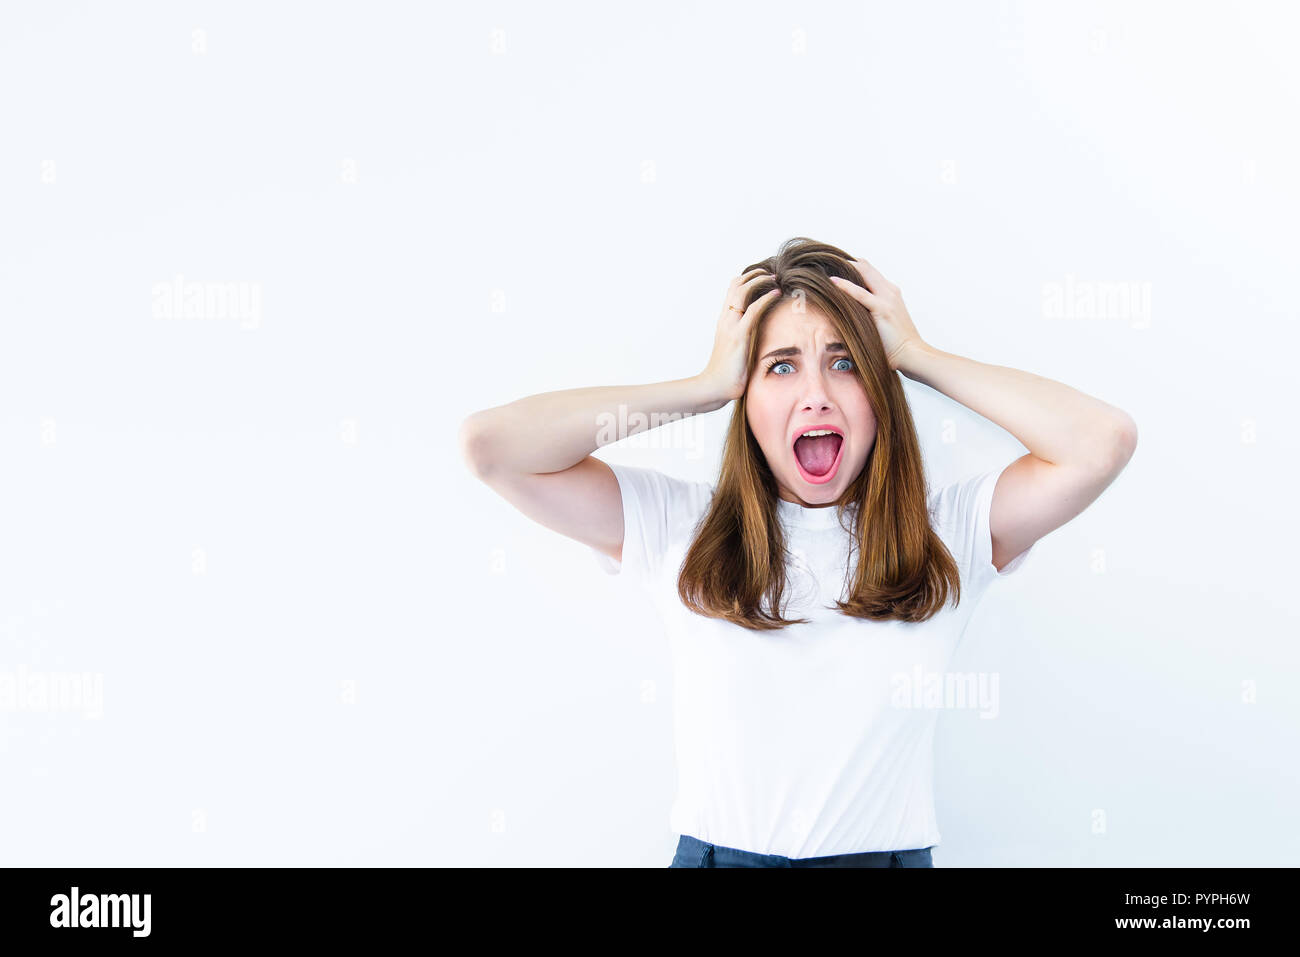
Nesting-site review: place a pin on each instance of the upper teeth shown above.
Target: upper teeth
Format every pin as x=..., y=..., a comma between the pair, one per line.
x=818, y=432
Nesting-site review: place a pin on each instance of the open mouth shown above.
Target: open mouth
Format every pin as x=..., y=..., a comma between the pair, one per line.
x=817, y=453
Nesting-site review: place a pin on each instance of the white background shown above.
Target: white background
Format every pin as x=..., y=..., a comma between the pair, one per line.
x=321, y=641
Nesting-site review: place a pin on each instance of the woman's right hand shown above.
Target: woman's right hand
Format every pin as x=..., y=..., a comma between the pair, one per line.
x=728, y=368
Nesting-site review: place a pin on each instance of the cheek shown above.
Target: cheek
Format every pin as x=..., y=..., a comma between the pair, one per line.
x=859, y=410
x=764, y=420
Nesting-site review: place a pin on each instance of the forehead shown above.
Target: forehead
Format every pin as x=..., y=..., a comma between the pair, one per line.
x=783, y=326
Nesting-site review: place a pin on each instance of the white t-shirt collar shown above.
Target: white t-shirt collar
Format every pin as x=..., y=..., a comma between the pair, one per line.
x=801, y=516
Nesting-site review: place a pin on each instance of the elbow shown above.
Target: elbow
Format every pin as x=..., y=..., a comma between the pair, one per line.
x=1120, y=443
x=471, y=440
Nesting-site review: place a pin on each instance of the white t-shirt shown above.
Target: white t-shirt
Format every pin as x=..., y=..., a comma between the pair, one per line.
x=800, y=741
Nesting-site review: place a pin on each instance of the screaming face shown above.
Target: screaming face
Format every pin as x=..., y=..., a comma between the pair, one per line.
x=806, y=407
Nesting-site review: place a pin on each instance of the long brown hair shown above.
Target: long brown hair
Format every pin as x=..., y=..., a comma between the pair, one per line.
x=737, y=557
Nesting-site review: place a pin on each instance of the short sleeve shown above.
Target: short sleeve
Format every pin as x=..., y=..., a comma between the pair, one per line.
x=961, y=514
x=659, y=512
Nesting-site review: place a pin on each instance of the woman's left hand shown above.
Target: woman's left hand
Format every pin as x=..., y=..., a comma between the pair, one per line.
x=884, y=301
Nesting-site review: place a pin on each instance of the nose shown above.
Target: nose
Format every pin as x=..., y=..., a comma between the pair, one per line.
x=816, y=396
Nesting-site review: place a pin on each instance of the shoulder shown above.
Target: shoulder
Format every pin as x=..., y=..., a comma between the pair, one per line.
x=655, y=493
x=660, y=513
x=954, y=503
x=960, y=512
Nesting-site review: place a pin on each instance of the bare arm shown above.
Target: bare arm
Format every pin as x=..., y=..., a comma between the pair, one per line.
x=536, y=452
x=554, y=431
x=1077, y=444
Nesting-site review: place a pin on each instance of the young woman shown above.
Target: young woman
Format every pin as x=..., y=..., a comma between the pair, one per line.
x=815, y=593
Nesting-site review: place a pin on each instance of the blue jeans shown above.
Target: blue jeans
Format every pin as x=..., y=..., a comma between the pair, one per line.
x=692, y=852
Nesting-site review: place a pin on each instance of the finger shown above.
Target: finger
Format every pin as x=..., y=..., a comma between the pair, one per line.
x=875, y=278
x=761, y=303
x=738, y=293
x=863, y=296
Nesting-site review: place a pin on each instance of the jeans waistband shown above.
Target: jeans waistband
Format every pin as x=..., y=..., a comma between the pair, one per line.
x=692, y=852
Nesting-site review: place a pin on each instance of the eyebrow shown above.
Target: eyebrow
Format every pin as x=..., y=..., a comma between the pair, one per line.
x=796, y=351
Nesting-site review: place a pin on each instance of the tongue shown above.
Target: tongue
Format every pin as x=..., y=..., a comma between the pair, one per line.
x=817, y=454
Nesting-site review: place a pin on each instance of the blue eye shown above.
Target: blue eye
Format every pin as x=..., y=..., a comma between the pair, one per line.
x=784, y=362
